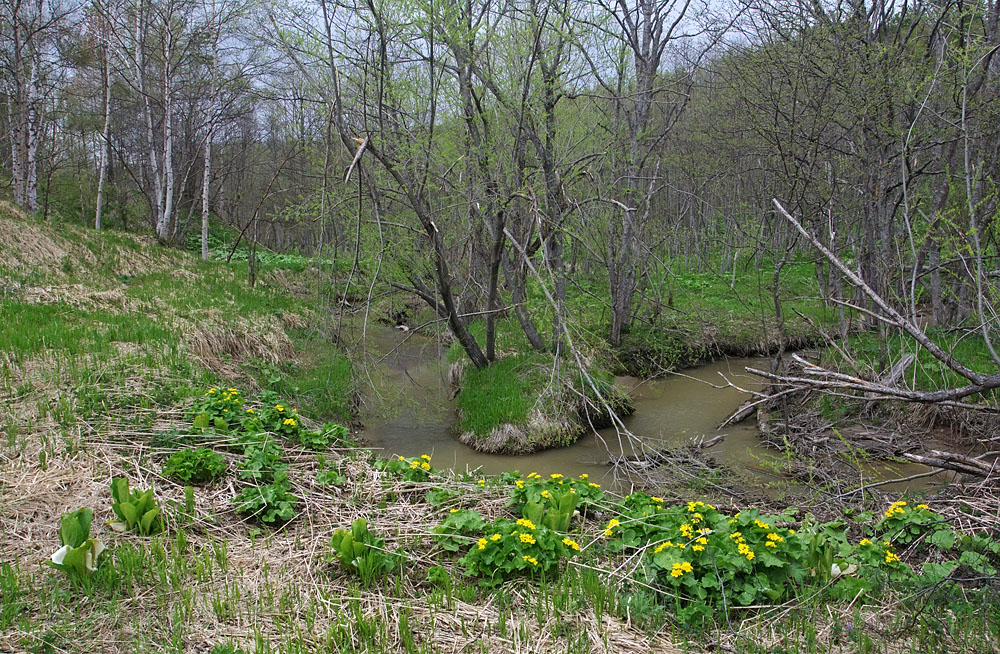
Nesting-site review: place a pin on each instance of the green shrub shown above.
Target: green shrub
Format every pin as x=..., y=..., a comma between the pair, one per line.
x=415, y=469
x=517, y=548
x=195, y=466
x=220, y=409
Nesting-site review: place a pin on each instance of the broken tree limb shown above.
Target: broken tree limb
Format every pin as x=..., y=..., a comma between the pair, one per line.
x=979, y=381
x=955, y=462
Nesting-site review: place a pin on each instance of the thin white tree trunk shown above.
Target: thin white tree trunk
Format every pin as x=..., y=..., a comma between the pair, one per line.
x=31, y=158
x=163, y=227
x=206, y=179
x=105, y=142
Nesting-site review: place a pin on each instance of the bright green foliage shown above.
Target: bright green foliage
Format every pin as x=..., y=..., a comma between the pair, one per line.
x=136, y=510
x=509, y=548
x=552, y=500
x=329, y=474
x=456, y=530
x=361, y=553
x=195, y=466
x=78, y=556
x=704, y=557
x=275, y=417
x=271, y=503
x=218, y=408
x=322, y=439
x=262, y=458
x=417, y=468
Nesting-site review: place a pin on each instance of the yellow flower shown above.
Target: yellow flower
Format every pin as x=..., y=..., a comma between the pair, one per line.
x=775, y=537
x=585, y=476
x=676, y=573
x=702, y=541
x=698, y=548
x=865, y=541
x=425, y=466
x=454, y=511
x=530, y=559
x=425, y=457
x=249, y=410
x=750, y=556
x=495, y=537
x=570, y=543
x=524, y=522
x=770, y=543
x=611, y=525
x=923, y=506
x=735, y=535
x=279, y=407
x=743, y=548
x=659, y=548
x=555, y=475
x=546, y=494
x=656, y=499
x=231, y=390
x=891, y=557
x=527, y=538
x=519, y=483
x=533, y=475
x=482, y=483
x=593, y=485
x=687, y=531
x=761, y=524
x=211, y=391
x=290, y=422
x=399, y=458
x=482, y=543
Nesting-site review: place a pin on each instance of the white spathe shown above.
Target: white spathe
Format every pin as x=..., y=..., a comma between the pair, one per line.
x=60, y=554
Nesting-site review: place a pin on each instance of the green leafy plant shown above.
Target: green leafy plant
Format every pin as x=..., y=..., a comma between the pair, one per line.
x=552, y=500
x=262, y=458
x=361, y=553
x=322, y=439
x=415, y=469
x=79, y=554
x=521, y=547
x=218, y=409
x=458, y=529
x=271, y=503
x=195, y=466
x=136, y=510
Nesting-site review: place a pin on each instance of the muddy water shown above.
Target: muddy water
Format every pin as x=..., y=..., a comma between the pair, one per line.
x=418, y=414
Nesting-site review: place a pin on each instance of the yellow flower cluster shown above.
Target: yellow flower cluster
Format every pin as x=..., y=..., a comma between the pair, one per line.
x=279, y=407
x=865, y=542
x=534, y=475
x=680, y=569
x=773, y=539
x=546, y=494
x=250, y=411
x=524, y=522
x=687, y=531
x=290, y=422
x=762, y=524
x=556, y=475
x=741, y=545
x=526, y=538
x=570, y=543
x=495, y=537
x=593, y=485
x=611, y=525
x=896, y=508
x=891, y=557
x=667, y=544
x=519, y=484
x=482, y=543
x=923, y=506
x=695, y=506
x=420, y=465
x=425, y=457
x=530, y=559
x=482, y=483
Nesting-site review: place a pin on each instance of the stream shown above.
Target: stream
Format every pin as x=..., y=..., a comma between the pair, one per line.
x=418, y=414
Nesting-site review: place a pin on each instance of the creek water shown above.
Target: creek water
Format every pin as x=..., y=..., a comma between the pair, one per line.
x=417, y=416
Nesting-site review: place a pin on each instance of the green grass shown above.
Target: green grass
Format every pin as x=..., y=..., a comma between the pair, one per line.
x=505, y=392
